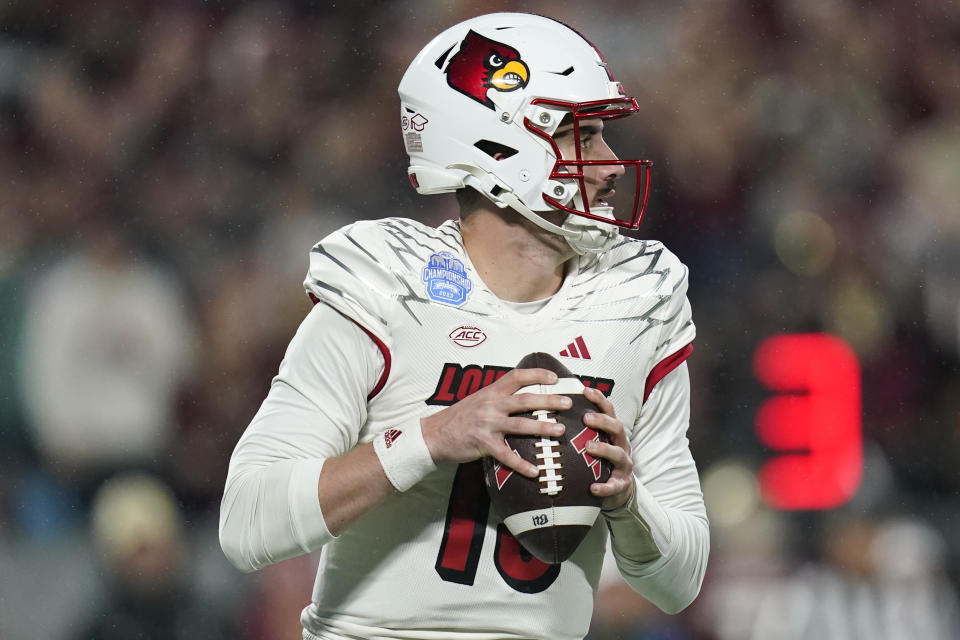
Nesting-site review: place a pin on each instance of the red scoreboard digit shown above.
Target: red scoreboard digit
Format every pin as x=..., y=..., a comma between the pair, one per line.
x=814, y=421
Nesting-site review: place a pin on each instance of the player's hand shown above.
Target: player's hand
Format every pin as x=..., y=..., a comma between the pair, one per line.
x=619, y=487
x=475, y=426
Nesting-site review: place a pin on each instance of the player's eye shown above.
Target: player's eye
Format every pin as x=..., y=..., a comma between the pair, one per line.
x=495, y=61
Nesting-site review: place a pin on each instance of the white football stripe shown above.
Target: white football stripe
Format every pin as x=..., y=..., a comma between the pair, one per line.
x=552, y=516
x=561, y=386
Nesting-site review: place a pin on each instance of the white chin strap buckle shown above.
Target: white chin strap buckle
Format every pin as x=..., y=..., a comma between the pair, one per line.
x=590, y=235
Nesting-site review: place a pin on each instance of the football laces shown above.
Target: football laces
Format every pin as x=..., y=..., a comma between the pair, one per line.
x=549, y=469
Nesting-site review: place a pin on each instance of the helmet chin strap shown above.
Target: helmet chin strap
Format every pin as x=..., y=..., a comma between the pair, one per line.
x=592, y=236
x=511, y=200
x=582, y=234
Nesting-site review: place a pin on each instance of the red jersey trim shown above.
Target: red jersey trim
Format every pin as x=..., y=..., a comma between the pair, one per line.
x=665, y=366
x=380, y=345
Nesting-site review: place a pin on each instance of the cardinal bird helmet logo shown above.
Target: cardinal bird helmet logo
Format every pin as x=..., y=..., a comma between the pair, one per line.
x=482, y=64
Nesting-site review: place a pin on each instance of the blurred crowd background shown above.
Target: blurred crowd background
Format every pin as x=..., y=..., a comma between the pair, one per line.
x=165, y=167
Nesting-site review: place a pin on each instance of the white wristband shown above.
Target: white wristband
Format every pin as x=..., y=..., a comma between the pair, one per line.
x=404, y=455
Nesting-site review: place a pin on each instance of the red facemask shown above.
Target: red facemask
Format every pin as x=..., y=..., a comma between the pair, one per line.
x=630, y=203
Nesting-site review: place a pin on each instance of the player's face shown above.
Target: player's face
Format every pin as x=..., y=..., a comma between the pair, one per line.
x=600, y=179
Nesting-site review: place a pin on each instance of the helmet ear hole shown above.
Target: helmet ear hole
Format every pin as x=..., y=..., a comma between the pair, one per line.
x=494, y=149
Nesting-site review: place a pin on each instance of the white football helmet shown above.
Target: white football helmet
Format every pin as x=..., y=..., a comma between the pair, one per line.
x=499, y=85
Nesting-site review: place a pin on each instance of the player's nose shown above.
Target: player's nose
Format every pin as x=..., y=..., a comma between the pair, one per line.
x=608, y=172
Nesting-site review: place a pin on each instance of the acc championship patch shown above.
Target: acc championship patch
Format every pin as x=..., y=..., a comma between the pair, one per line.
x=446, y=279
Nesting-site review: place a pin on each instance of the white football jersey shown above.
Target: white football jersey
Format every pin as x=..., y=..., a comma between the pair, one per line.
x=434, y=561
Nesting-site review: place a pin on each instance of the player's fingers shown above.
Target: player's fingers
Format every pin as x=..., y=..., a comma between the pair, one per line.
x=619, y=458
x=510, y=458
x=516, y=379
x=531, y=427
x=612, y=486
x=533, y=401
x=602, y=401
x=609, y=425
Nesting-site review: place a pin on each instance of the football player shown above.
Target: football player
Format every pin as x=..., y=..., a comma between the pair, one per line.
x=399, y=380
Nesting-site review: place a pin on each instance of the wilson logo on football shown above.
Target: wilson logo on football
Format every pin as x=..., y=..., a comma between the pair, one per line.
x=467, y=336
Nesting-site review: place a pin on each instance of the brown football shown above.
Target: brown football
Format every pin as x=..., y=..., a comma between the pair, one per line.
x=550, y=514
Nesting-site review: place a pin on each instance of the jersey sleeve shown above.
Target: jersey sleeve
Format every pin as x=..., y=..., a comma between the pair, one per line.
x=352, y=270
x=316, y=404
x=660, y=540
x=669, y=509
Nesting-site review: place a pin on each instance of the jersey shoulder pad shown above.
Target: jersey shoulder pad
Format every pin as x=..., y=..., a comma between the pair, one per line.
x=651, y=267
x=369, y=269
x=644, y=282
x=671, y=313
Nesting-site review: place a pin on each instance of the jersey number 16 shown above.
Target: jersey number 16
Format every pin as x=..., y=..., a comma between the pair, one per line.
x=463, y=535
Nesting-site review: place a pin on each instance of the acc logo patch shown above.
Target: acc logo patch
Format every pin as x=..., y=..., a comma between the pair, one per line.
x=446, y=279
x=482, y=64
x=467, y=336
